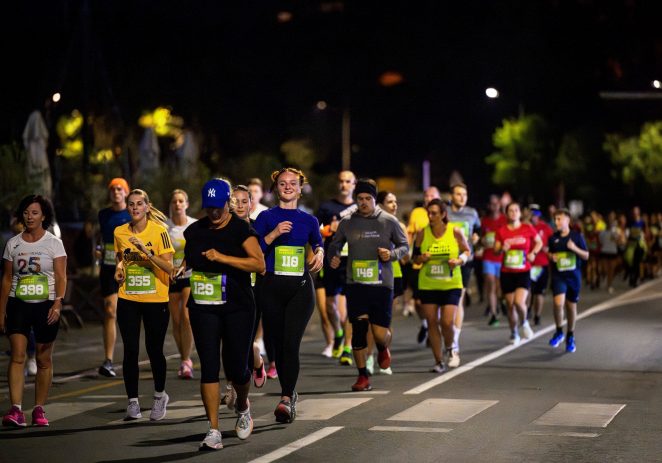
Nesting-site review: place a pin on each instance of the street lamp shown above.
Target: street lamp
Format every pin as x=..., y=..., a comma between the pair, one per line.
x=345, y=133
x=492, y=92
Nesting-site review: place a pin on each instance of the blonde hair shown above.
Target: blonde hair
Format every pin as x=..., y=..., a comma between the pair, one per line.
x=277, y=173
x=153, y=213
x=176, y=191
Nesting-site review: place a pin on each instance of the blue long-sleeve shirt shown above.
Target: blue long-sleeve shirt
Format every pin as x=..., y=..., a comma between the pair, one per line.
x=305, y=230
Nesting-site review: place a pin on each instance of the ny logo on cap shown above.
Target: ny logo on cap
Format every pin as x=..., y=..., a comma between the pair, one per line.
x=211, y=193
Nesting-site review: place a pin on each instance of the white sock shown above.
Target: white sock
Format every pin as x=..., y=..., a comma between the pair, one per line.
x=158, y=395
x=18, y=406
x=456, y=339
x=133, y=399
x=424, y=323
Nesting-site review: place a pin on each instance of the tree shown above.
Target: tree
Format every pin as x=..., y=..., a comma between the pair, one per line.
x=637, y=158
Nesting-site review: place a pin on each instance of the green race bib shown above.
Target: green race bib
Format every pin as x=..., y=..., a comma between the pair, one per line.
x=514, y=259
x=437, y=268
x=109, y=254
x=139, y=280
x=32, y=288
x=208, y=288
x=535, y=273
x=178, y=259
x=489, y=239
x=367, y=272
x=566, y=261
x=344, y=252
x=253, y=278
x=289, y=260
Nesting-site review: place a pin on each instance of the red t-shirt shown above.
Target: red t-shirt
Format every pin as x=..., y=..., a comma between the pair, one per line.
x=521, y=241
x=544, y=231
x=489, y=227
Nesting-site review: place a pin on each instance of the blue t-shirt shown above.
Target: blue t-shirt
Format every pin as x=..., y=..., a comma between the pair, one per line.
x=110, y=219
x=567, y=262
x=305, y=230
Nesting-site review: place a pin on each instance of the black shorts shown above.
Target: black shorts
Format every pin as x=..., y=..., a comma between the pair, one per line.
x=510, y=281
x=540, y=285
x=413, y=281
x=398, y=287
x=318, y=280
x=441, y=297
x=179, y=284
x=23, y=316
x=335, y=279
x=374, y=301
x=466, y=273
x=107, y=280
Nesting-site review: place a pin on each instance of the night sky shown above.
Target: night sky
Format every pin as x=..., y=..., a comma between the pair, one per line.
x=233, y=71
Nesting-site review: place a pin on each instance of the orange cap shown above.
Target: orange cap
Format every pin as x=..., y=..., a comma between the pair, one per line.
x=119, y=181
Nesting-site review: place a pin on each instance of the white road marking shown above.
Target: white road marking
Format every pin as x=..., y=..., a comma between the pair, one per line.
x=561, y=434
x=296, y=445
x=588, y=415
x=321, y=409
x=444, y=410
x=624, y=299
x=104, y=397
x=408, y=429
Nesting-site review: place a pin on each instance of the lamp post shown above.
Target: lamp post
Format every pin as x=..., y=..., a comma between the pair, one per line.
x=345, y=135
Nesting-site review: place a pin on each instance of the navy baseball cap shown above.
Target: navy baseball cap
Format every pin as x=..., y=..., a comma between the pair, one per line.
x=215, y=193
x=535, y=210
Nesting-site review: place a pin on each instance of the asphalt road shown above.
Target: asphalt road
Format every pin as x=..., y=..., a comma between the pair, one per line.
x=504, y=404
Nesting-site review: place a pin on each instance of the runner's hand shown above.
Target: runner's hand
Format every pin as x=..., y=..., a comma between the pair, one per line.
x=334, y=224
x=283, y=227
x=213, y=255
x=384, y=254
x=138, y=244
x=54, y=312
x=423, y=258
x=452, y=263
x=119, y=275
x=316, y=262
x=335, y=262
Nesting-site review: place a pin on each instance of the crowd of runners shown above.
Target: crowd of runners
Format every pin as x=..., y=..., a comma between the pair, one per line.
x=242, y=282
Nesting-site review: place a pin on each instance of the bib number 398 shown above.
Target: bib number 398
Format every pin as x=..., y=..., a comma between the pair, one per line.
x=32, y=288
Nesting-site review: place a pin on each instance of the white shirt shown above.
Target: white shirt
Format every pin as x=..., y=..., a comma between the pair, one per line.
x=259, y=208
x=178, y=242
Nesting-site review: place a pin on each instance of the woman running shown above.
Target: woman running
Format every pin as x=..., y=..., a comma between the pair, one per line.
x=144, y=266
x=222, y=251
x=33, y=285
x=180, y=288
x=519, y=242
x=442, y=249
x=287, y=294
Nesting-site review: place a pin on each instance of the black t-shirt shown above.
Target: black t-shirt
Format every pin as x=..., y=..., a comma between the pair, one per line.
x=228, y=240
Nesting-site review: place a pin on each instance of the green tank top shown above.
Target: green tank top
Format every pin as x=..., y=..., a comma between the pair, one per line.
x=435, y=275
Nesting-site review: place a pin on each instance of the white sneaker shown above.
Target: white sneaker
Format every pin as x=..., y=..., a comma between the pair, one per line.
x=244, y=425
x=370, y=364
x=31, y=366
x=386, y=371
x=438, y=368
x=230, y=396
x=212, y=440
x=453, y=359
x=133, y=411
x=514, y=339
x=159, y=407
x=527, y=332
x=328, y=351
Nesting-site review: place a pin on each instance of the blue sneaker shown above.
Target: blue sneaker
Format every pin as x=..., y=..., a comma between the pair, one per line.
x=570, y=344
x=557, y=339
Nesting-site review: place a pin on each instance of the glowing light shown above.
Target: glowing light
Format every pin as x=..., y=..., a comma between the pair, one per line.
x=56, y=97
x=656, y=83
x=391, y=78
x=284, y=16
x=321, y=105
x=492, y=92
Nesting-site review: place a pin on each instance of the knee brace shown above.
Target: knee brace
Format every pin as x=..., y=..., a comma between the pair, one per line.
x=360, y=333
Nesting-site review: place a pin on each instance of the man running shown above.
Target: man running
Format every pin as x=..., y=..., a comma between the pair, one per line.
x=462, y=216
x=492, y=221
x=375, y=240
x=110, y=218
x=539, y=266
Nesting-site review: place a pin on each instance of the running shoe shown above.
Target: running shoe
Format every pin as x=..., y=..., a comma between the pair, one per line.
x=259, y=376
x=370, y=364
x=422, y=335
x=438, y=368
x=570, y=344
x=386, y=371
x=557, y=339
x=514, y=339
x=212, y=440
x=453, y=358
x=527, y=332
x=31, y=367
x=14, y=418
x=328, y=351
x=133, y=411
x=106, y=369
x=494, y=322
x=338, y=347
x=186, y=369
x=244, y=425
x=272, y=373
x=230, y=396
x=362, y=384
x=384, y=358
x=286, y=410
x=39, y=416
x=159, y=407
x=346, y=359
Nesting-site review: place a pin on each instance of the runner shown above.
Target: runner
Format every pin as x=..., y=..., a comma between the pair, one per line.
x=255, y=189
x=441, y=248
x=287, y=293
x=179, y=287
x=33, y=285
x=565, y=246
x=375, y=240
x=465, y=217
x=329, y=215
x=222, y=250
x=609, y=256
x=144, y=265
x=110, y=218
x=540, y=265
x=492, y=221
x=519, y=243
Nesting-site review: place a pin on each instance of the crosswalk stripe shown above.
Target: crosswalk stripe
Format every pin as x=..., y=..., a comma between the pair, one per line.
x=321, y=409
x=444, y=410
x=561, y=434
x=408, y=429
x=590, y=415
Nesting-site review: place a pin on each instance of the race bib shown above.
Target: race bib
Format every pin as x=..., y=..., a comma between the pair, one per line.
x=253, y=278
x=178, y=259
x=139, y=280
x=289, y=260
x=566, y=261
x=32, y=288
x=536, y=271
x=489, y=239
x=344, y=252
x=437, y=268
x=465, y=229
x=208, y=288
x=514, y=259
x=367, y=272
x=109, y=254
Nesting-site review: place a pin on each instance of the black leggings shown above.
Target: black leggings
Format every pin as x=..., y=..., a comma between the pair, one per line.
x=155, y=316
x=268, y=341
x=231, y=324
x=287, y=305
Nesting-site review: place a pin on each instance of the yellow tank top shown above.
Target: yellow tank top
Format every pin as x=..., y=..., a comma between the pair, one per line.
x=436, y=275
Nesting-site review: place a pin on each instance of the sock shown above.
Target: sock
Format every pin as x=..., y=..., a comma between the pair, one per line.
x=133, y=399
x=559, y=330
x=525, y=323
x=424, y=323
x=347, y=349
x=456, y=338
x=571, y=333
x=158, y=395
x=363, y=371
x=18, y=406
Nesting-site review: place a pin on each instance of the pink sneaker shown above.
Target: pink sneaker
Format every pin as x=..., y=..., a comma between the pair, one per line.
x=186, y=369
x=272, y=373
x=259, y=376
x=14, y=417
x=39, y=417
